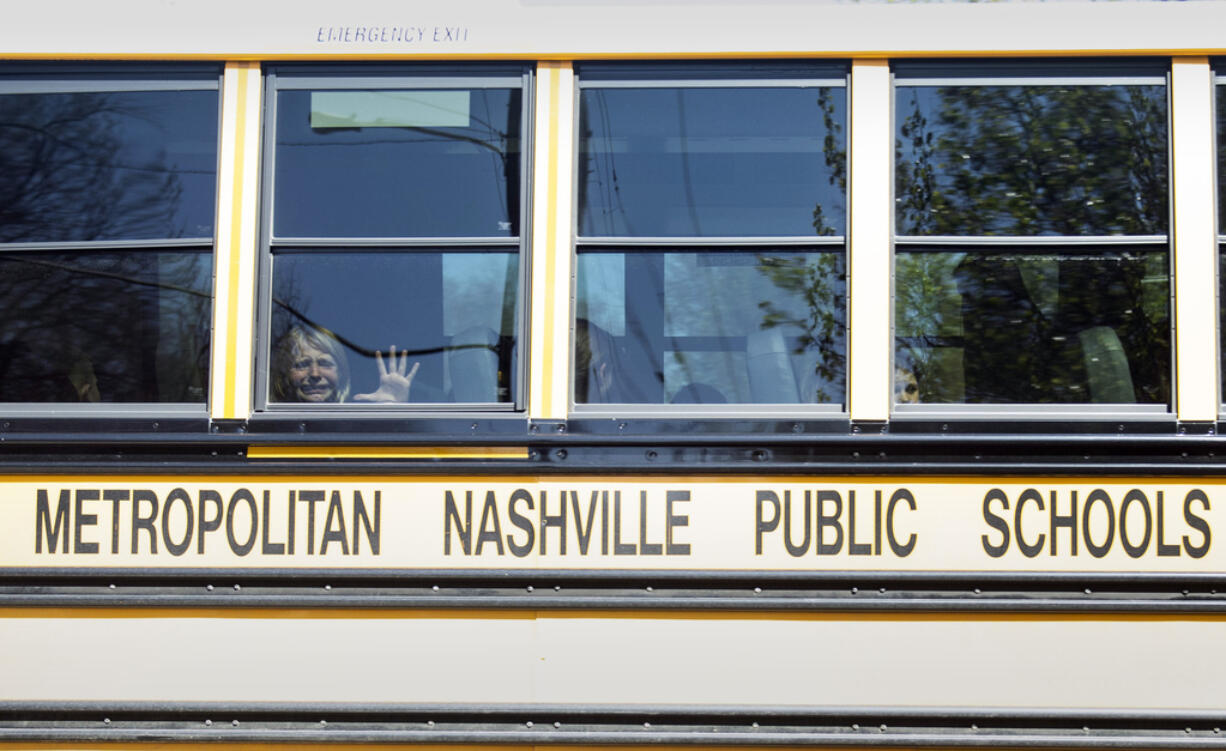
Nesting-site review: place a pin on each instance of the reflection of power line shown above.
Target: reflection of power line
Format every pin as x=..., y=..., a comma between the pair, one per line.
x=611, y=187
x=686, y=179
x=440, y=136
x=89, y=156
x=105, y=275
x=366, y=351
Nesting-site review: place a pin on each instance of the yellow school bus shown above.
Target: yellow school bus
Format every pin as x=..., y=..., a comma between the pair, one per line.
x=525, y=373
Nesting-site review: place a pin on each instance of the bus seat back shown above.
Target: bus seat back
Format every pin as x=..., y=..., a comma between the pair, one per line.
x=771, y=378
x=473, y=363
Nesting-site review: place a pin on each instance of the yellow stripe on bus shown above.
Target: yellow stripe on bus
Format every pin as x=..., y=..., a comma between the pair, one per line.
x=387, y=452
x=242, y=75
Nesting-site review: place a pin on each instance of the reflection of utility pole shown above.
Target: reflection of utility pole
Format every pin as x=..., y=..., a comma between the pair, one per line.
x=685, y=163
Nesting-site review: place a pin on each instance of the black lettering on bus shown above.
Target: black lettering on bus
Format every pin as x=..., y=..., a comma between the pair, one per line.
x=996, y=522
x=463, y=527
x=646, y=548
x=523, y=522
x=557, y=520
x=115, y=496
x=361, y=520
x=674, y=520
x=487, y=531
x=604, y=522
x=902, y=551
x=335, y=532
x=1029, y=495
x=584, y=531
x=205, y=498
x=311, y=497
x=763, y=525
x=1196, y=522
x=877, y=522
x=1069, y=521
x=178, y=495
x=796, y=550
x=1098, y=495
x=1131, y=497
x=267, y=546
x=81, y=519
x=1165, y=549
x=853, y=547
x=289, y=527
x=619, y=547
x=823, y=521
x=243, y=495
x=43, y=523
x=140, y=522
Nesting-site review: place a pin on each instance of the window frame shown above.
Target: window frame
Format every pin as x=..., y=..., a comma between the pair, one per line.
x=1217, y=94
x=1040, y=72
x=408, y=76
x=34, y=78
x=746, y=74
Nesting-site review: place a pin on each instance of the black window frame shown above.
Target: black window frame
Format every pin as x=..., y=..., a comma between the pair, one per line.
x=426, y=417
x=124, y=77
x=768, y=416
x=1052, y=71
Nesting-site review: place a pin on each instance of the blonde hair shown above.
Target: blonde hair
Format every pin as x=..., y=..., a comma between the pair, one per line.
x=593, y=347
x=291, y=346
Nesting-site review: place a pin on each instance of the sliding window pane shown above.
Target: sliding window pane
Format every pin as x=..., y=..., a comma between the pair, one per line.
x=1221, y=223
x=710, y=327
x=1066, y=326
x=712, y=162
x=452, y=313
x=105, y=326
x=107, y=166
x=1031, y=160
x=398, y=163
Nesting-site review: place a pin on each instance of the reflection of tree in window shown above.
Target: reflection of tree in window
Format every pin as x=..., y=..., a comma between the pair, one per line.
x=138, y=321
x=821, y=284
x=1032, y=160
x=70, y=170
x=90, y=325
x=1020, y=161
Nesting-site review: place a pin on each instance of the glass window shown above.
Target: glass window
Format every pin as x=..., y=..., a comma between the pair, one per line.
x=107, y=202
x=394, y=240
x=711, y=214
x=1220, y=103
x=1031, y=257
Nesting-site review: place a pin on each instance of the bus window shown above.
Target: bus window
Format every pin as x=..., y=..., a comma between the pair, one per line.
x=1220, y=103
x=1031, y=255
x=107, y=199
x=394, y=225
x=710, y=258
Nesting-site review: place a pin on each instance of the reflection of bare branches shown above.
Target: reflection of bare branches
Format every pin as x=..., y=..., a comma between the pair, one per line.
x=68, y=173
x=138, y=320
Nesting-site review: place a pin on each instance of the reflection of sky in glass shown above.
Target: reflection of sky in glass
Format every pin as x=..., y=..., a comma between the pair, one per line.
x=426, y=181
x=107, y=166
x=710, y=161
x=600, y=294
